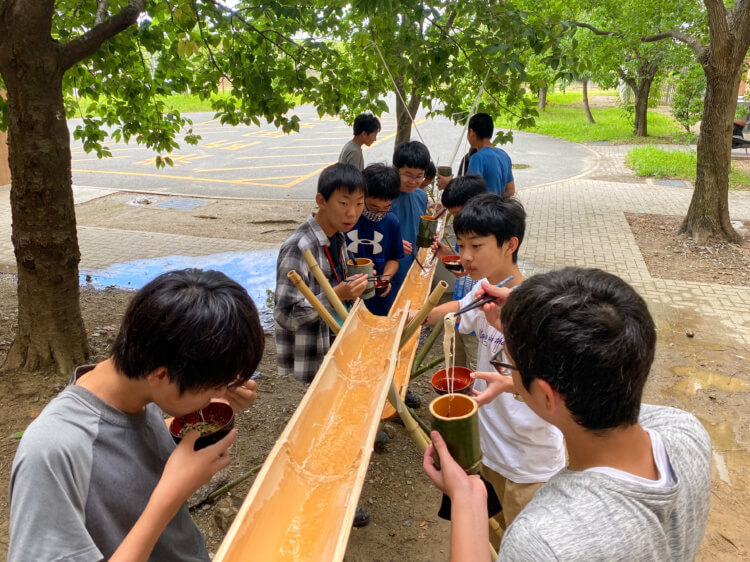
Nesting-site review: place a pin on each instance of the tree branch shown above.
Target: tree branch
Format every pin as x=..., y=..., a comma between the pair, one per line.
x=597, y=31
x=102, y=10
x=88, y=43
x=693, y=42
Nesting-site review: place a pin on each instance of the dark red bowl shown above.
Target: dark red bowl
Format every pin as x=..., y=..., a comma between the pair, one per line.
x=381, y=285
x=452, y=263
x=217, y=413
x=462, y=381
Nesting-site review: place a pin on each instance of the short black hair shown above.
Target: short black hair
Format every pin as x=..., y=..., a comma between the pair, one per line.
x=201, y=325
x=589, y=335
x=382, y=182
x=366, y=123
x=411, y=154
x=489, y=214
x=482, y=125
x=340, y=176
x=430, y=171
x=462, y=188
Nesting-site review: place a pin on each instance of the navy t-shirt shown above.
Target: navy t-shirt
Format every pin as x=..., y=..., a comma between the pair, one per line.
x=380, y=242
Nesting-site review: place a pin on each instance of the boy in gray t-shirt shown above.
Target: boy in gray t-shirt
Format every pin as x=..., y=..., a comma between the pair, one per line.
x=97, y=474
x=580, y=344
x=366, y=128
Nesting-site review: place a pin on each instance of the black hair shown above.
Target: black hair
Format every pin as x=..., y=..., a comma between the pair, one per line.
x=463, y=167
x=340, y=176
x=489, y=214
x=201, y=325
x=589, y=335
x=382, y=182
x=482, y=125
x=411, y=154
x=462, y=188
x=366, y=123
x=430, y=171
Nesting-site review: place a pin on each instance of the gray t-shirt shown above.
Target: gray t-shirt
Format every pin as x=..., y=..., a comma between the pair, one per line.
x=352, y=154
x=83, y=474
x=591, y=516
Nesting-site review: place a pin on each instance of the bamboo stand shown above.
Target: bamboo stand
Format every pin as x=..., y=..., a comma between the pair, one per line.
x=431, y=302
x=333, y=298
x=314, y=301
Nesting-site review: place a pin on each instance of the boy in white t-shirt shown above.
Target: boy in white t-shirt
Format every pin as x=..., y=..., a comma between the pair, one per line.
x=521, y=451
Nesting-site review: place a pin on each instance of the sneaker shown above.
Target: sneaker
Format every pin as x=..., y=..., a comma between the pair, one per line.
x=412, y=400
x=361, y=517
x=380, y=440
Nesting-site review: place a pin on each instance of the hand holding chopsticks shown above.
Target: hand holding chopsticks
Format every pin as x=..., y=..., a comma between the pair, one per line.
x=484, y=299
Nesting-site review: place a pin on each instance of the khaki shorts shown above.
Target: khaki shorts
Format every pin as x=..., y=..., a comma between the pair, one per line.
x=466, y=350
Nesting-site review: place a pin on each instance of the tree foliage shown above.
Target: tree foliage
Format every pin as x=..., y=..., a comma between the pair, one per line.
x=687, y=100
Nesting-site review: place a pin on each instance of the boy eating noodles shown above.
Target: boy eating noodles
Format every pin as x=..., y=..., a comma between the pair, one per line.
x=97, y=474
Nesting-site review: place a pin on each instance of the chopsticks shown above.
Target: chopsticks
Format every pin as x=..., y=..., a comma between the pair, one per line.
x=369, y=278
x=484, y=299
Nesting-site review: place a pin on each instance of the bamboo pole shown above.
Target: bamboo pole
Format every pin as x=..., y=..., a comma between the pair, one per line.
x=314, y=301
x=333, y=298
x=436, y=329
x=431, y=302
x=229, y=485
x=412, y=427
x=431, y=365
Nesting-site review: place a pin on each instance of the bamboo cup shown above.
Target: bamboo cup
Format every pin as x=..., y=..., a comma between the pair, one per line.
x=333, y=298
x=455, y=417
x=427, y=229
x=314, y=301
x=363, y=265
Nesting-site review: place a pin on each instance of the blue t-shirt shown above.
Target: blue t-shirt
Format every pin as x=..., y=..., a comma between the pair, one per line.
x=408, y=208
x=494, y=165
x=380, y=242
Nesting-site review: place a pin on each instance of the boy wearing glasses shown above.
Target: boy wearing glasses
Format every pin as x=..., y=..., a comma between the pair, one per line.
x=410, y=161
x=521, y=450
x=580, y=343
x=377, y=235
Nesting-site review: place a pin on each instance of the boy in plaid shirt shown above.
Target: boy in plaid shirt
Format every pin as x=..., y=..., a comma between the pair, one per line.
x=302, y=338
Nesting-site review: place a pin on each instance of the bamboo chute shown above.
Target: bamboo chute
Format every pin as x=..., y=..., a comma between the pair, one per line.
x=295, y=278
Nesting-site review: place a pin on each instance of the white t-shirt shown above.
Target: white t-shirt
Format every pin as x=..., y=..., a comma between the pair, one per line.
x=516, y=443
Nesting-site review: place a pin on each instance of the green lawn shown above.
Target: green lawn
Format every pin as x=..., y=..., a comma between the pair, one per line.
x=674, y=164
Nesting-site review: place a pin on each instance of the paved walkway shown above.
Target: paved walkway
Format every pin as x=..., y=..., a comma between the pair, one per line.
x=578, y=221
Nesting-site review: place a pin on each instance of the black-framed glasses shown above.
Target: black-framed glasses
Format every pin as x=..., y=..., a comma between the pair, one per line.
x=500, y=365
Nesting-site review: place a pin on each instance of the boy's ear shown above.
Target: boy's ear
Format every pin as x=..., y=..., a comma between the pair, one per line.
x=158, y=376
x=552, y=399
x=512, y=244
x=320, y=201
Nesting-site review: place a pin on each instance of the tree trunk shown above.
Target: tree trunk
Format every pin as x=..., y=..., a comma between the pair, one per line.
x=708, y=214
x=542, y=105
x=586, y=102
x=640, y=126
x=405, y=114
x=50, y=327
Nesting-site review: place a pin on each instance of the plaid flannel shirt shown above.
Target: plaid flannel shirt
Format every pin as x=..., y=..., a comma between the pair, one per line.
x=302, y=338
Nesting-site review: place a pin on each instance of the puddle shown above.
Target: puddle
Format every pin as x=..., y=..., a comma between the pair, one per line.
x=694, y=380
x=255, y=271
x=732, y=461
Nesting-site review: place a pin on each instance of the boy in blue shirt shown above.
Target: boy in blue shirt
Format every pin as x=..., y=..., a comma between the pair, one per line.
x=377, y=235
x=410, y=160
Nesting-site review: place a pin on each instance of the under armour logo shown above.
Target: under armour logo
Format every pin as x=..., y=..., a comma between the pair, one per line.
x=353, y=246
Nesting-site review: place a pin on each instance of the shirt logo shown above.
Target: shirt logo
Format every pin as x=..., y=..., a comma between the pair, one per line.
x=353, y=246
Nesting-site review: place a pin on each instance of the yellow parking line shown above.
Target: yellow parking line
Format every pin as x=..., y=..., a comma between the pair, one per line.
x=324, y=138
x=306, y=146
x=259, y=167
x=286, y=156
x=209, y=180
x=97, y=159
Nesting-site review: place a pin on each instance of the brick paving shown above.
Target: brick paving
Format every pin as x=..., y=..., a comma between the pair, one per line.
x=573, y=222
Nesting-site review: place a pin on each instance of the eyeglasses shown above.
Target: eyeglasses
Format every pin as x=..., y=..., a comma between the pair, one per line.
x=412, y=178
x=379, y=211
x=501, y=366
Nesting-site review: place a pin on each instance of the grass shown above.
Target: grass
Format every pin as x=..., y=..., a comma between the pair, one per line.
x=675, y=164
x=570, y=97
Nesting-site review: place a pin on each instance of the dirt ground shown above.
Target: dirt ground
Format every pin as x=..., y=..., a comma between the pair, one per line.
x=706, y=374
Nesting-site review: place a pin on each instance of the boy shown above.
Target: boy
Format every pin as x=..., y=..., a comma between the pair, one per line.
x=377, y=235
x=521, y=450
x=492, y=163
x=580, y=344
x=456, y=194
x=97, y=474
x=366, y=128
x=410, y=160
x=302, y=338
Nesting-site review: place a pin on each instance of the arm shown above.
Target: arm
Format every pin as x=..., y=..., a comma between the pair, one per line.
x=186, y=471
x=496, y=385
x=437, y=313
x=510, y=189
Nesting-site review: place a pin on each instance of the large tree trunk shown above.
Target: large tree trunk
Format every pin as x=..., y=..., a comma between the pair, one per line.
x=542, y=104
x=708, y=214
x=50, y=327
x=640, y=126
x=404, y=114
x=586, y=102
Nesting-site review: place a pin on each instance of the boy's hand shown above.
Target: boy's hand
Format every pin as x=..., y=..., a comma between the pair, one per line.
x=388, y=290
x=442, y=181
x=441, y=250
x=407, y=247
x=496, y=385
x=492, y=310
x=350, y=290
x=450, y=478
x=187, y=470
x=241, y=396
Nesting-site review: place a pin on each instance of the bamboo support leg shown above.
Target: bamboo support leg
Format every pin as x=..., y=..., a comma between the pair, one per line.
x=314, y=301
x=412, y=427
x=333, y=298
x=430, y=365
x=431, y=302
x=436, y=330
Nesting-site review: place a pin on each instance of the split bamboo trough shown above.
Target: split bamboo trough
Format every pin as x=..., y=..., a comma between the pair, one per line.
x=302, y=502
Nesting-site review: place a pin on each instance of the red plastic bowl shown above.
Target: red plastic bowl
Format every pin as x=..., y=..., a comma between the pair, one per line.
x=380, y=286
x=462, y=381
x=216, y=412
x=452, y=263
